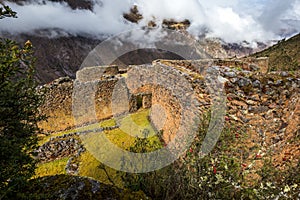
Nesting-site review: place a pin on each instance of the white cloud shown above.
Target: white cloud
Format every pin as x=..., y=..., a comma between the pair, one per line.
x=233, y=21
x=102, y=20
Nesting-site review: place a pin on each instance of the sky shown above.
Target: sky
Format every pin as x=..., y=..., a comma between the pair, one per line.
x=232, y=21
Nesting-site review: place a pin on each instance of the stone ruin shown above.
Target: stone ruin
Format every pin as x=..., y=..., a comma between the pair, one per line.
x=104, y=81
x=267, y=104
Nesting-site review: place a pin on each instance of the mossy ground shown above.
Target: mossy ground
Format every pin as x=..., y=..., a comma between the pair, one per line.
x=51, y=168
x=89, y=166
x=105, y=123
x=124, y=137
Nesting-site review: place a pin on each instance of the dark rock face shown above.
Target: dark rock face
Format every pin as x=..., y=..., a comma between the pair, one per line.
x=57, y=57
x=62, y=56
x=235, y=49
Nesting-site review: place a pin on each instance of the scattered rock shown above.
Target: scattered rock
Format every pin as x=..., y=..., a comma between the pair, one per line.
x=243, y=82
x=256, y=84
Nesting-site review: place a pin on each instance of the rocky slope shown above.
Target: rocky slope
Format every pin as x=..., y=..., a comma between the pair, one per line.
x=263, y=113
x=62, y=56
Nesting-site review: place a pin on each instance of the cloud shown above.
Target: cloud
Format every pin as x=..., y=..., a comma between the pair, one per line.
x=233, y=21
x=273, y=13
x=104, y=19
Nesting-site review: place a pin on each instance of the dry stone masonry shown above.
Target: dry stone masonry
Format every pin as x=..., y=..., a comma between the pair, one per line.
x=267, y=104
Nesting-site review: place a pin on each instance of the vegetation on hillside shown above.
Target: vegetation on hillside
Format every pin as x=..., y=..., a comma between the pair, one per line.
x=91, y=167
x=222, y=174
x=284, y=56
x=19, y=115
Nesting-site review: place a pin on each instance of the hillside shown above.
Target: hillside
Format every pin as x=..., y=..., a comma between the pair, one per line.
x=256, y=156
x=284, y=56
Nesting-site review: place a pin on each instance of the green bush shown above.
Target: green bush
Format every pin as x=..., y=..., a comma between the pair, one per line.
x=19, y=115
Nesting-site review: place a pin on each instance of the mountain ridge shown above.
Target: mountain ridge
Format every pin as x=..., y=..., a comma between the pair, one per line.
x=283, y=56
x=62, y=56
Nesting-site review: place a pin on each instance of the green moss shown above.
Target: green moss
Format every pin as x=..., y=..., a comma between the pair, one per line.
x=89, y=166
x=108, y=123
x=125, y=137
x=51, y=168
x=105, y=123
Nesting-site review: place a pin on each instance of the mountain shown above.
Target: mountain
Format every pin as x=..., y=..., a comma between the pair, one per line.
x=57, y=57
x=285, y=55
x=62, y=55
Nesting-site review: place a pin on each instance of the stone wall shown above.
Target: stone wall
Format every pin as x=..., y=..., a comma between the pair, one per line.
x=166, y=112
x=266, y=106
x=170, y=99
x=58, y=105
x=60, y=147
x=254, y=64
x=60, y=98
x=93, y=94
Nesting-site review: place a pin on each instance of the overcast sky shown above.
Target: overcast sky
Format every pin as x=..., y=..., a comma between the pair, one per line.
x=233, y=21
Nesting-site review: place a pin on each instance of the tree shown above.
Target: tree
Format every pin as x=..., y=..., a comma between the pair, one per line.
x=6, y=11
x=19, y=114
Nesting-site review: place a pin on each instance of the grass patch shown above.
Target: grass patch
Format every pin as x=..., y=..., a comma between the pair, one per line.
x=120, y=138
x=133, y=124
x=136, y=123
x=123, y=137
x=89, y=167
x=105, y=123
x=140, y=117
x=108, y=123
x=51, y=168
